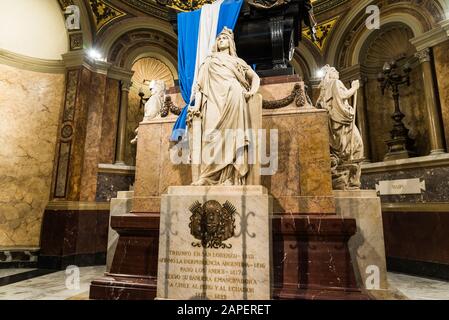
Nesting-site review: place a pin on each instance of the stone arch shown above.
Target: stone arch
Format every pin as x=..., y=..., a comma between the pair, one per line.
x=107, y=40
x=351, y=28
x=135, y=43
x=152, y=52
x=392, y=42
x=305, y=62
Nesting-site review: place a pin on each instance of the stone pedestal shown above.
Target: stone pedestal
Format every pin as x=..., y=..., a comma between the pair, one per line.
x=311, y=259
x=119, y=206
x=302, y=180
x=367, y=246
x=134, y=268
x=215, y=243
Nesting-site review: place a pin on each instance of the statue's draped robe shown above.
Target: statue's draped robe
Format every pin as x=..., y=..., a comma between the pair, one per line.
x=341, y=124
x=224, y=110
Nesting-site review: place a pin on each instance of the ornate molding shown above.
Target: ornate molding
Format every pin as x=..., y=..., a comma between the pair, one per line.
x=149, y=7
x=325, y=5
x=432, y=37
x=104, y=13
x=423, y=55
x=432, y=161
x=31, y=64
x=77, y=206
x=415, y=207
x=183, y=5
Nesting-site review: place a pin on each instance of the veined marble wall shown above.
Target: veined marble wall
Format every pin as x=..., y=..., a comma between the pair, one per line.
x=30, y=105
x=441, y=57
x=380, y=109
x=135, y=116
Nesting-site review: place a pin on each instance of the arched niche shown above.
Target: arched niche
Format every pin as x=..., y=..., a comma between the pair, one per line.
x=145, y=69
x=392, y=42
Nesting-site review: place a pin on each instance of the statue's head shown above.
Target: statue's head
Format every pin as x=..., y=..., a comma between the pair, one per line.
x=225, y=41
x=329, y=74
x=157, y=87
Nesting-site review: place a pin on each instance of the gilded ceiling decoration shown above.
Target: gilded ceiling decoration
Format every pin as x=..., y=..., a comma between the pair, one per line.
x=323, y=29
x=184, y=5
x=148, y=69
x=104, y=13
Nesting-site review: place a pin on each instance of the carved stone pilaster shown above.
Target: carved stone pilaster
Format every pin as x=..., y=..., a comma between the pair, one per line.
x=123, y=118
x=432, y=103
x=423, y=55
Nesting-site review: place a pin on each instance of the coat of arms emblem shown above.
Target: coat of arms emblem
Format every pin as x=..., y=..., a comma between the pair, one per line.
x=212, y=224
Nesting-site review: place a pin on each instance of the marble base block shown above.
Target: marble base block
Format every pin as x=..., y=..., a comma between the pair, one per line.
x=311, y=258
x=367, y=246
x=134, y=267
x=215, y=243
x=119, y=206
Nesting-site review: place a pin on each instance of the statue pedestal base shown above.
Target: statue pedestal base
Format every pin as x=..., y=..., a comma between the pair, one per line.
x=311, y=259
x=215, y=243
x=367, y=247
x=133, y=274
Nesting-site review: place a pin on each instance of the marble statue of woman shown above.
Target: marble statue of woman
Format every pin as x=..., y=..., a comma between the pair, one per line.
x=346, y=143
x=225, y=86
x=154, y=104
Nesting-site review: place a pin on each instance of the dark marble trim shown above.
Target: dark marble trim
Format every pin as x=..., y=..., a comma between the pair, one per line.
x=24, y=276
x=18, y=264
x=12, y=255
x=418, y=268
x=79, y=260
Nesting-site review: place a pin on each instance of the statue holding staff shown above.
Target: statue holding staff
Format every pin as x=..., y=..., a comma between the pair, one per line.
x=346, y=144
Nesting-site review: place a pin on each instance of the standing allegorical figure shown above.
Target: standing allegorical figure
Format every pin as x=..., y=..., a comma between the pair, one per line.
x=346, y=143
x=154, y=104
x=224, y=87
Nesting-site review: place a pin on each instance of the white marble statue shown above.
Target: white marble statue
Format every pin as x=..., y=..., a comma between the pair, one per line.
x=154, y=104
x=345, y=140
x=225, y=86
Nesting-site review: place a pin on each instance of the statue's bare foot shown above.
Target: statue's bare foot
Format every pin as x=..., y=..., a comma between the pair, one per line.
x=227, y=183
x=199, y=183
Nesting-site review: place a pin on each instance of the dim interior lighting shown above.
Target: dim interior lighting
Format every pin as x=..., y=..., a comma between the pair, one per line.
x=94, y=54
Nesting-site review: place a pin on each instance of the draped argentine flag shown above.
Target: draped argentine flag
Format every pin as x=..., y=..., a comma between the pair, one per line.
x=197, y=31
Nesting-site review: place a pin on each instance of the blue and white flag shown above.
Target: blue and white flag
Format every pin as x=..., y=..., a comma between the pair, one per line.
x=197, y=31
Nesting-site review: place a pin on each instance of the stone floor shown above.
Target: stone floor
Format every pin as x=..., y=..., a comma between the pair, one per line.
x=53, y=286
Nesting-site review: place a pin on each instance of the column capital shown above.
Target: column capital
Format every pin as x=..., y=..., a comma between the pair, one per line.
x=126, y=84
x=423, y=55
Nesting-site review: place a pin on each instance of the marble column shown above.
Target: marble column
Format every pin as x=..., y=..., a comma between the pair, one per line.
x=123, y=117
x=362, y=120
x=432, y=103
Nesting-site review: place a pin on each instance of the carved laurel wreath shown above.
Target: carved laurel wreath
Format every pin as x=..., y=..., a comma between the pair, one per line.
x=297, y=96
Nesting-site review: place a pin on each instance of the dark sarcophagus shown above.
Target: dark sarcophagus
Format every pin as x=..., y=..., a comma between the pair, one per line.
x=268, y=31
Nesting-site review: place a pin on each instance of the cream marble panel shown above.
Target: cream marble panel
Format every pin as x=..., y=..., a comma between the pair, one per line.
x=236, y=268
x=30, y=105
x=367, y=247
